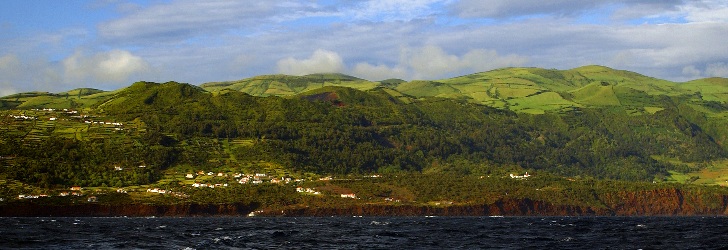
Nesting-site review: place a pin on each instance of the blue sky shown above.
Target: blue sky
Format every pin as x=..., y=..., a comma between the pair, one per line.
x=50, y=45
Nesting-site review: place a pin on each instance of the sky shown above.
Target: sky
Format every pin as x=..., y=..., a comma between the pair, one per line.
x=50, y=45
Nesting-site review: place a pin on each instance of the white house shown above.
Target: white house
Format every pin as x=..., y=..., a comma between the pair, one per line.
x=352, y=196
x=520, y=176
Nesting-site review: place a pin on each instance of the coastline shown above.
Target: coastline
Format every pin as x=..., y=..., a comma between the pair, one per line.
x=503, y=207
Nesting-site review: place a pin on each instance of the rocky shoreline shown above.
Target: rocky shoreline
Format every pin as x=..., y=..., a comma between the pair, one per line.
x=663, y=202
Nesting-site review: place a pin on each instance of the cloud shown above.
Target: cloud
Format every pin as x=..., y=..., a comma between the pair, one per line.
x=21, y=75
x=9, y=70
x=379, y=72
x=431, y=62
x=321, y=61
x=10, y=73
x=691, y=71
x=180, y=20
x=114, y=66
x=500, y=9
x=428, y=62
x=186, y=20
x=9, y=66
x=393, y=10
x=706, y=11
x=719, y=69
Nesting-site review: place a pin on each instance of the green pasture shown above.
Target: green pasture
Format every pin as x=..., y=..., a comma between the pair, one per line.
x=716, y=173
x=596, y=94
x=538, y=104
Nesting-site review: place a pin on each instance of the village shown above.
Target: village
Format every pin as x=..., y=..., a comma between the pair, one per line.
x=212, y=180
x=176, y=184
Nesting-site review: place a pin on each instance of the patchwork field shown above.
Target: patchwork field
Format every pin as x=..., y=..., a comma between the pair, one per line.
x=713, y=173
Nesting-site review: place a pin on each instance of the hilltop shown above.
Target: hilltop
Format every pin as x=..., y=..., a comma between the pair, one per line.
x=523, y=90
x=283, y=85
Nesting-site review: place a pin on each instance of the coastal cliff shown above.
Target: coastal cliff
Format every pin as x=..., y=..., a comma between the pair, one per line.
x=132, y=210
x=660, y=202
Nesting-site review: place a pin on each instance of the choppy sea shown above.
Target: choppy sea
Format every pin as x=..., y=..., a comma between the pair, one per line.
x=366, y=233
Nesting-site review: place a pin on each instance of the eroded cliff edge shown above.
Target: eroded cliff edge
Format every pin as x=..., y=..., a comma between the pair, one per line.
x=660, y=202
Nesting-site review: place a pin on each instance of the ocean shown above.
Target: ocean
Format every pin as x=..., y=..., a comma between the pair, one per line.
x=366, y=233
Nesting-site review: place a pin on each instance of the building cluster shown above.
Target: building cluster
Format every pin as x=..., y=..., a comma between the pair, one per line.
x=205, y=185
x=307, y=190
x=350, y=195
x=75, y=191
x=258, y=178
x=118, y=124
x=520, y=176
x=23, y=117
x=67, y=111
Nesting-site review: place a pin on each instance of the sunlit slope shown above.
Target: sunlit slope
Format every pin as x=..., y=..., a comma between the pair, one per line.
x=73, y=99
x=141, y=96
x=429, y=88
x=286, y=85
x=596, y=94
x=710, y=89
x=528, y=90
x=536, y=90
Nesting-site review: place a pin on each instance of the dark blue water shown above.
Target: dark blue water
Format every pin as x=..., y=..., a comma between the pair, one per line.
x=366, y=233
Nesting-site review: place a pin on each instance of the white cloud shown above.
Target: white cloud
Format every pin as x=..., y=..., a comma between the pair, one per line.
x=9, y=70
x=21, y=75
x=518, y=8
x=393, y=10
x=7, y=89
x=706, y=11
x=321, y=61
x=114, y=66
x=180, y=20
x=9, y=66
x=379, y=72
x=719, y=69
x=431, y=62
x=185, y=20
x=691, y=71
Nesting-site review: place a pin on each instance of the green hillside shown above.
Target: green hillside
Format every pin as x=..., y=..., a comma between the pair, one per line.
x=710, y=89
x=594, y=86
x=589, y=121
x=285, y=85
x=74, y=99
x=583, y=134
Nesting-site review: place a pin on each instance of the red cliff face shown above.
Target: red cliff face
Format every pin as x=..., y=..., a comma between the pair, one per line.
x=138, y=210
x=523, y=207
x=665, y=202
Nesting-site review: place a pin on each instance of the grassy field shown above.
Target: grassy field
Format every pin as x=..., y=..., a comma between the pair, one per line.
x=716, y=173
x=286, y=85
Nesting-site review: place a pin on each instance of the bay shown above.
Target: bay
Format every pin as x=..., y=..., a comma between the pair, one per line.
x=366, y=233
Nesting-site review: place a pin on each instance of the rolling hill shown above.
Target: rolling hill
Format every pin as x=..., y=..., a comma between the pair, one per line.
x=285, y=85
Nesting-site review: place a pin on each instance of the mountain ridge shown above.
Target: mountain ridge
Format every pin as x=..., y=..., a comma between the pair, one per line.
x=487, y=87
